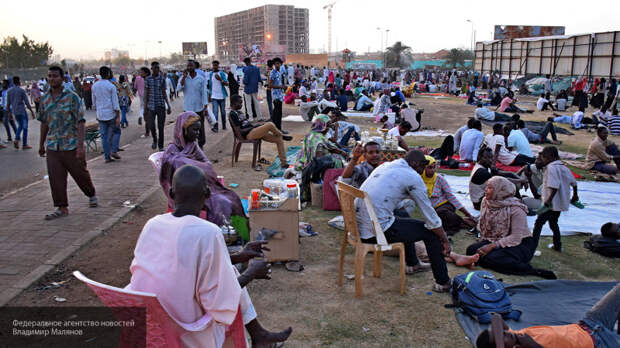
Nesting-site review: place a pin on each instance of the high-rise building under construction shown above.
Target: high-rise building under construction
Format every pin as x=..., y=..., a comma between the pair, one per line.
x=269, y=29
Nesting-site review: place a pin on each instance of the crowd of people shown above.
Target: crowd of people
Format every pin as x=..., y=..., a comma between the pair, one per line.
x=189, y=237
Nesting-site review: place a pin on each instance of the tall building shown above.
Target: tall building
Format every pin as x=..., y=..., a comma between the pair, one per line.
x=270, y=29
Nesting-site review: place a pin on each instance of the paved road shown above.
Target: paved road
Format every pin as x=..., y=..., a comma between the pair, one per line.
x=19, y=168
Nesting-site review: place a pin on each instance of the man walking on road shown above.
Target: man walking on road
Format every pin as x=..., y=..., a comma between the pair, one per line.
x=139, y=86
x=105, y=98
x=17, y=102
x=156, y=100
x=4, y=113
x=194, y=96
x=276, y=83
x=216, y=80
x=62, y=137
x=251, y=77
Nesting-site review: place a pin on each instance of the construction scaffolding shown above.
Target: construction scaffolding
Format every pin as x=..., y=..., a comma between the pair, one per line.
x=591, y=55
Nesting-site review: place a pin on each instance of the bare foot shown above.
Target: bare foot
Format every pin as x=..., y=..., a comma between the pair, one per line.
x=465, y=261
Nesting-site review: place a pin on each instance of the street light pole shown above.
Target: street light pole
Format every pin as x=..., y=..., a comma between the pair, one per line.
x=386, y=45
x=471, y=42
x=380, y=42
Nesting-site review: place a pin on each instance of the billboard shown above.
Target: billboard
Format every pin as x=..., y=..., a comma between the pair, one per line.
x=194, y=48
x=260, y=54
x=503, y=32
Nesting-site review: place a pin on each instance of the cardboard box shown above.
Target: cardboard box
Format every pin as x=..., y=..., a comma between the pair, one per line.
x=285, y=219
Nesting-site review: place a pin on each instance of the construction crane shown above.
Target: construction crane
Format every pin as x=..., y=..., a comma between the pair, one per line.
x=329, y=24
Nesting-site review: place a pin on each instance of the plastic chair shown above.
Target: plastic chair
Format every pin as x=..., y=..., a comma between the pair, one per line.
x=161, y=329
x=347, y=195
x=238, y=140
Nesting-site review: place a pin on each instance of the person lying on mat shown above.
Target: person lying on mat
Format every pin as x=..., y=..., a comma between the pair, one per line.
x=184, y=261
x=506, y=244
x=222, y=203
x=602, y=151
x=482, y=172
x=497, y=143
x=541, y=136
x=399, y=132
x=387, y=187
x=443, y=200
x=267, y=132
x=595, y=330
x=483, y=113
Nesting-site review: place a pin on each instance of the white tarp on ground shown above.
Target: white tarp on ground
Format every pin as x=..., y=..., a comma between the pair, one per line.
x=428, y=133
x=602, y=201
x=294, y=118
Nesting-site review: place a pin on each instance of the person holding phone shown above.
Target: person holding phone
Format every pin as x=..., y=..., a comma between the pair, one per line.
x=216, y=82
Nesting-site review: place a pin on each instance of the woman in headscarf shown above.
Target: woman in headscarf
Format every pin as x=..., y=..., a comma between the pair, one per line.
x=223, y=204
x=316, y=144
x=444, y=201
x=507, y=244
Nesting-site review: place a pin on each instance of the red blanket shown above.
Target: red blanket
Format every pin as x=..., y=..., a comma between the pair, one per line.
x=499, y=166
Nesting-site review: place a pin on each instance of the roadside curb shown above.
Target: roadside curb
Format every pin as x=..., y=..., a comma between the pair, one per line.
x=9, y=294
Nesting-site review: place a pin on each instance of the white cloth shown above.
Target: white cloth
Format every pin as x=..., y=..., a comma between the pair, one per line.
x=556, y=175
x=394, y=132
x=249, y=99
x=216, y=88
x=504, y=156
x=387, y=186
x=184, y=261
x=577, y=119
x=105, y=99
x=541, y=103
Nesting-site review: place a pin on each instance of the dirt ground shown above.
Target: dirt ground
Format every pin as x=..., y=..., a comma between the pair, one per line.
x=321, y=313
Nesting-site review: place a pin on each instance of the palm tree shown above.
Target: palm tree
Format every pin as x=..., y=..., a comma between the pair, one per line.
x=395, y=53
x=458, y=56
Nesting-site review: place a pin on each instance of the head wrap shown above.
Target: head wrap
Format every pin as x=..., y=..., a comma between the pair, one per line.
x=495, y=212
x=429, y=181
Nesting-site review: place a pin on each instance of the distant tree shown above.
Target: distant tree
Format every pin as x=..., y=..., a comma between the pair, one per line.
x=458, y=56
x=27, y=54
x=394, y=55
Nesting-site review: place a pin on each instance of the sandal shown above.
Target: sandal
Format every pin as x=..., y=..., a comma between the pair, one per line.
x=57, y=214
x=258, y=168
x=264, y=161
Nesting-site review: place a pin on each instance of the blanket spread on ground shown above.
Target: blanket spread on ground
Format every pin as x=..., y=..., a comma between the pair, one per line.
x=602, y=201
x=545, y=302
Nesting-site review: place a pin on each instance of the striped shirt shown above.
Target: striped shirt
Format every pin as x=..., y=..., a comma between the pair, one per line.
x=155, y=86
x=442, y=193
x=614, y=125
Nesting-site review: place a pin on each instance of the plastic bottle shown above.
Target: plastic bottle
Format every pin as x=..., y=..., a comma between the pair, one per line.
x=291, y=189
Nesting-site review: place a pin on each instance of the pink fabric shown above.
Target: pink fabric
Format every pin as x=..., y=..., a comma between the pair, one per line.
x=184, y=261
x=505, y=104
x=139, y=85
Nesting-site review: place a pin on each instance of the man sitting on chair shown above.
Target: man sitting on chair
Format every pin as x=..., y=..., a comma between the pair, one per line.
x=184, y=261
x=387, y=186
x=267, y=131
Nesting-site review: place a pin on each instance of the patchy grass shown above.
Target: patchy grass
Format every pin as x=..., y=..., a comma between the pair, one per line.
x=324, y=314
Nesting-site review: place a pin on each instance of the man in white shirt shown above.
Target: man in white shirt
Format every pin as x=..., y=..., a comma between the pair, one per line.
x=483, y=113
x=195, y=96
x=497, y=143
x=458, y=135
x=105, y=99
x=471, y=142
x=543, y=103
x=518, y=141
x=387, y=186
x=602, y=116
x=577, y=119
x=399, y=132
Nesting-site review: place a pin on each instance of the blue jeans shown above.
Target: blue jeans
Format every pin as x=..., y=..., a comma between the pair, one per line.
x=347, y=135
x=269, y=103
x=124, y=115
x=22, y=126
x=602, y=317
x=219, y=104
x=7, y=123
x=110, y=137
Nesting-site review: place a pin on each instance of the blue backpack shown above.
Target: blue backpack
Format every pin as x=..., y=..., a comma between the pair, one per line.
x=479, y=294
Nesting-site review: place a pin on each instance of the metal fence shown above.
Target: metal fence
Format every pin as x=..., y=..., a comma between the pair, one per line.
x=592, y=55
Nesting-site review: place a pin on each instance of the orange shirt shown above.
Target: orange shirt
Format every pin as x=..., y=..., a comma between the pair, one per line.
x=565, y=336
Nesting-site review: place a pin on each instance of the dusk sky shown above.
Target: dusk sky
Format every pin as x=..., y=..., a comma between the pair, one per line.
x=85, y=29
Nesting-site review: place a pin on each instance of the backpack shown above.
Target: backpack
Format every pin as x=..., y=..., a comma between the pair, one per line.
x=603, y=245
x=480, y=294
